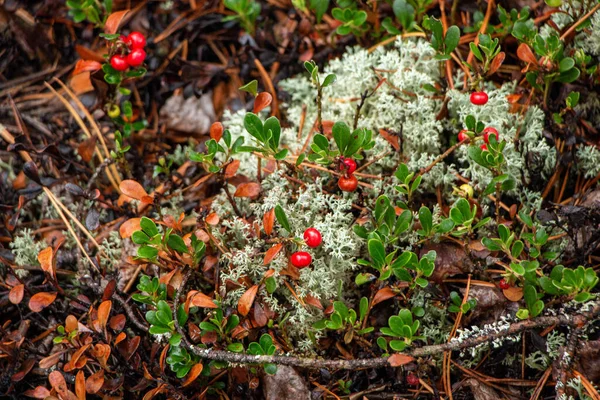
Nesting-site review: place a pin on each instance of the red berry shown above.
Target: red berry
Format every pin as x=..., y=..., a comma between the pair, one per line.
x=350, y=165
x=301, y=259
x=312, y=237
x=412, y=379
x=490, y=131
x=136, y=57
x=136, y=40
x=122, y=38
x=118, y=62
x=348, y=183
x=483, y=147
x=503, y=284
x=462, y=135
x=479, y=98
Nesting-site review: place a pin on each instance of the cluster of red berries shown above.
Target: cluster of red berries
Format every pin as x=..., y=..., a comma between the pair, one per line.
x=348, y=182
x=135, y=43
x=487, y=132
x=312, y=238
x=504, y=284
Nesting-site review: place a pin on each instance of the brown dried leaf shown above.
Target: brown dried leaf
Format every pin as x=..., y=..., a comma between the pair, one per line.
x=51, y=360
x=24, y=370
x=39, y=392
x=262, y=101
x=391, y=139
x=216, y=131
x=199, y=299
x=71, y=323
x=58, y=383
x=80, y=385
x=133, y=189
x=245, y=302
x=117, y=323
x=41, y=300
x=130, y=226
x=313, y=301
x=15, y=295
x=94, y=383
x=399, y=359
x=525, y=54
x=383, y=295
x=231, y=169
x=260, y=316
x=513, y=293
x=104, y=312
x=272, y=253
x=269, y=221
x=250, y=189
x=86, y=66
x=193, y=374
x=86, y=148
x=212, y=219
x=46, y=260
x=113, y=21
x=496, y=63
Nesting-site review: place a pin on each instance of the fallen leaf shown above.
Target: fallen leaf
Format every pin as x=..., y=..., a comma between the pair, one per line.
x=216, y=131
x=212, y=219
x=313, y=301
x=130, y=226
x=41, y=300
x=383, y=295
x=250, y=189
x=496, y=63
x=80, y=385
x=231, y=169
x=39, y=392
x=113, y=21
x=193, y=374
x=268, y=221
x=104, y=312
x=245, y=302
x=262, y=101
x=117, y=323
x=513, y=293
x=51, y=360
x=46, y=260
x=71, y=323
x=26, y=366
x=525, y=54
x=272, y=253
x=15, y=295
x=58, y=383
x=199, y=299
x=86, y=148
x=399, y=359
x=86, y=66
x=391, y=139
x=94, y=383
x=133, y=189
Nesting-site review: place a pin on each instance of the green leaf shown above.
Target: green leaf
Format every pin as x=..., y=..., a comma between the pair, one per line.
x=270, y=369
x=329, y=79
x=377, y=252
x=452, y=38
x=569, y=76
x=254, y=126
x=397, y=345
x=250, y=87
x=147, y=252
x=341, y=135
x=282, y=218
x=176, y=243
x=149, y=227
x=139, y=237
x=270, y=284
x=426, y=220
x=235, y=347
x=404, y=12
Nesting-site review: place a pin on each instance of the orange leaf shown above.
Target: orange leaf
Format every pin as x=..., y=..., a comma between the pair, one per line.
x=104, y=312
x=94, y=383
x=272, y=253
x=16, y=294
x=199, y=299
x=130, y=226
x=113, y=21
x=57, y=380
x=51, y=360
x=133, y=189
x=513, y=293
x=71, y=323
x=250, y=189
x=46, y=260
x=80, y=385
x=313, y=301
x=262, y=101
x=525, y=54
x=193, y=374
x=231, y=168
x=88, y=54
x=41, y=300
x=86, y=148
x=39, y=392
x=383, y=295
x=399, y=359
x=86, y=66
x=245, y=302
x=269, y=220
x=496, y=63
x=216, y=131
x=212, y=219
x=392, y=139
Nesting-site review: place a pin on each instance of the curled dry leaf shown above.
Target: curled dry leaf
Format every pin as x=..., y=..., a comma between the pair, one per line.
x=113, y=21
x=199, y=299
x=86, y=66
x=245, y=302
x=15, y=295
x=262, y=101
x=193, y=374
x=250, y=189
x=41, y=300
x=269, y=221
x=383, y=295
x=272, y=253
x=216, y=131
x=399, y=359
x=51, y=360
x=525, y=54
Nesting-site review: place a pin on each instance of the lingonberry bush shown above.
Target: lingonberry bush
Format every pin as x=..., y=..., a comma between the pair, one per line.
x=411, y=213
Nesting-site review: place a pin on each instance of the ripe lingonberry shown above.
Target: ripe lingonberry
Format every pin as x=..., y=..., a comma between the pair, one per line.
x=350, y=165
x=118, y=62
x=136, y=57
x=462, y=135
x=490, y=131
x=412, y=379
x=348, y=183
x=503, y=284
x=301, y=259
x=483, y=147
x=312, y=237
x=479, y=98
x=136, y=40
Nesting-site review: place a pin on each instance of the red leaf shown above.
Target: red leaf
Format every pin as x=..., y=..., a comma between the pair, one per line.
x=57, y=380
x=216, y=131
x=86, y=148
x=39, y=392
x=117, y=323
x=399, y=359
x=272, y=253
x=199, y=299
x=525, y=54
x=24, y=370
x=268, y=221
x=245, y=302
x=262, y=101
x=193, y=374
x=86, y=66
x=41, y=300
x=16, y=294
x=133, y=189
x=46, y=260
x=250, y=189
x=392, y=139
x=104, y=312
x=113, y=21
x=496, y=63
x=231, y=168
x=383, y=295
